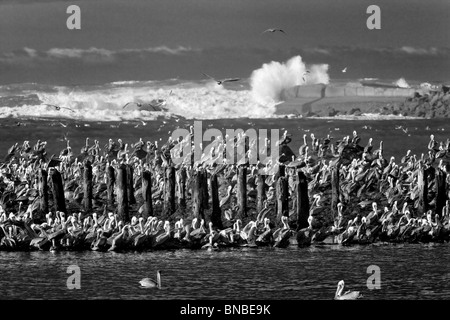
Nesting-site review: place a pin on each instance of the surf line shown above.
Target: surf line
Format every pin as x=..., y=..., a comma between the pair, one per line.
x=197, y=310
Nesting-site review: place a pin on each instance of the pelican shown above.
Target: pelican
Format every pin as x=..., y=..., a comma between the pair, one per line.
x=349, y=295
x=219, y=82
x=273, y=30
x=150, y=283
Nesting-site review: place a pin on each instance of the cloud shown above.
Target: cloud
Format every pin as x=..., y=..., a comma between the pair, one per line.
x=90, y=55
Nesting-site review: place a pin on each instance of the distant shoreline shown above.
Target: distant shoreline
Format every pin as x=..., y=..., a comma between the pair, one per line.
x=343, y=101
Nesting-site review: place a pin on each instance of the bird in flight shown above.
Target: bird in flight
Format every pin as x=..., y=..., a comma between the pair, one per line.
x=219, y=82
x=345, y=69
x=136, y=103
x=274, y=30
x=58, y=107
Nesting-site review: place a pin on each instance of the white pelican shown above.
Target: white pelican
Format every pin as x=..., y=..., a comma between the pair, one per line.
x=150, y=283
x=349, y=295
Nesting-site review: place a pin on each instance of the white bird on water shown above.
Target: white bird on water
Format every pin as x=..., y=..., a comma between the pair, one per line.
x=151, y=283
x=349, y=295
x=219, y=82
x=273, y=30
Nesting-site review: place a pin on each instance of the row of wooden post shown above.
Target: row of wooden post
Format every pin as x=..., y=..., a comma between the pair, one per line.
x=121, y=181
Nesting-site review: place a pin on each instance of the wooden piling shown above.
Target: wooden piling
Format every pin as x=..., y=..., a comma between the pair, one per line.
x=242, y=192
x=423, y=190
x=169, y=201
x=122, y=194
x=87, y=187
x=197, y=196
x=59, y=202
x=261, y=192
x=282, y=190
x=205, y=197
x=147, y=194
x=130, y=185
x=43, y=191
x=302, y=200
x=441, y=191
x=216, y=215
x=110, y=181
x=182, y=188
x=334, y=190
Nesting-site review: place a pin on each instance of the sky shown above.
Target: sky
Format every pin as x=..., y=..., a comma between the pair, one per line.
x=164, y=39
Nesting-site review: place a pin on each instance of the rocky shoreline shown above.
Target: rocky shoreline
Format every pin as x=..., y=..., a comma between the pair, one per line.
x=434, y=104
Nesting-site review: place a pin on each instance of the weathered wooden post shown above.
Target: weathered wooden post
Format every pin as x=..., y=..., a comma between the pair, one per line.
x=110, y=181
x=261, y=192
x=130, y=185
x=59, y=202
x=43, y=190
x=242, y=192
x=182, y=188
x=423, y=190
x=216, y=215
x=280, y=173
x=334, y=190
x=87, y=187
x=122, y=194
x=205, y=189
x=169, y=201
x=302, y=200
x=197, y=196
x=282, y=190
x=147, y=194
x=441, y=191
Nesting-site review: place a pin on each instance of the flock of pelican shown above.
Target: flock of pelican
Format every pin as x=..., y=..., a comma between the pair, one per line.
x=378, y=199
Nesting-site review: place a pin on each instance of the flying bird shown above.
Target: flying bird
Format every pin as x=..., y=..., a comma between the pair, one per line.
x=136, y=103
x=219, y=82
x=58, y=107
x=345, y=69
x=273, y=30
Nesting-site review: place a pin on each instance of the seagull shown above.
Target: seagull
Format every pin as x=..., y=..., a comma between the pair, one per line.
x=136, y=103
x=345, y=69
x=58, y=107
x=273, y=30
x=219, y=82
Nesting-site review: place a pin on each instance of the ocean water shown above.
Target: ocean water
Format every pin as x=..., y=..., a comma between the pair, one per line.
x=407, y=271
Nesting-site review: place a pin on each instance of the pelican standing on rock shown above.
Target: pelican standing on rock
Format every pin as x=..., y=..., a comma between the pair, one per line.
x=150, y=283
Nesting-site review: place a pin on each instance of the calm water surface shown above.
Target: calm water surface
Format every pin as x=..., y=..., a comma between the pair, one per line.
x=408, y=271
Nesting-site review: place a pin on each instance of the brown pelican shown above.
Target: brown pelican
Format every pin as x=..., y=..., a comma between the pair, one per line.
x=150, y=283
x=349, y=295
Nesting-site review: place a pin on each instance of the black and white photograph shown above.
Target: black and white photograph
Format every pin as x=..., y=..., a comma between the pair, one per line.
x=224, y=155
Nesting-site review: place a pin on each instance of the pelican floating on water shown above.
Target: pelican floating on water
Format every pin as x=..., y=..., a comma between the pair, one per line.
x=150, y=283
x=349, y=295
